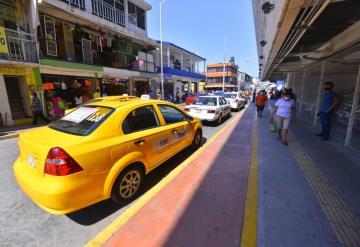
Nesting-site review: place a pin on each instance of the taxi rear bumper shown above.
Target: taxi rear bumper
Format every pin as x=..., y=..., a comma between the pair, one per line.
x=58, y=195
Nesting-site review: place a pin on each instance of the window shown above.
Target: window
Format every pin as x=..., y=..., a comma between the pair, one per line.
x=171, y=115
x=119, y=5
x=140, y=119
x=210, y=101
x=82, y=121
x=222, y=101
x=136, y=15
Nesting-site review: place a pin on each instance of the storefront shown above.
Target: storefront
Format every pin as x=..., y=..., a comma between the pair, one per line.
x=110, y=86
x=16, y=85
x=67, y=88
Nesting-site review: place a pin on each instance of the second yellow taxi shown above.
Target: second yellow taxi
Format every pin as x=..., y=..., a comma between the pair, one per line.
x=100, y=150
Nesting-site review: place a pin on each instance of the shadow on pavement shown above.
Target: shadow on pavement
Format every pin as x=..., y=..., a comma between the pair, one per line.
x=96, y=212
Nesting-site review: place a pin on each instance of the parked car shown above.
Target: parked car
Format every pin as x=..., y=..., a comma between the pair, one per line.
x=210, y=108
x=236, y=100
x=100, y=150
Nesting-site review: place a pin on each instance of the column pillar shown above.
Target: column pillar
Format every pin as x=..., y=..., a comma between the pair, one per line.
x=168, y=56
x=302, y=91
x=353, y=110
x=182, y=60
x=318, y=98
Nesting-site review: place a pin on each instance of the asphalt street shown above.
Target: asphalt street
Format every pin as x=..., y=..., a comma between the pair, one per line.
x=22, y=223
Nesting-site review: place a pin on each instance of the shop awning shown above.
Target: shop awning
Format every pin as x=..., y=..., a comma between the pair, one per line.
x=120, y=73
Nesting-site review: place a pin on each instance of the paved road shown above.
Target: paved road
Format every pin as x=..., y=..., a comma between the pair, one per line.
x=22, y=223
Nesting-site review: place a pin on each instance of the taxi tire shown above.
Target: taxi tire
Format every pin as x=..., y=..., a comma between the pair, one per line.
x=115, y=192
x=219, y=120
x=196, y=143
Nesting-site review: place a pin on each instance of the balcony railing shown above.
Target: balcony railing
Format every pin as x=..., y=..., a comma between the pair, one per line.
x=76, y=3
x=108, y=12
x=86, y=54
x=21, y=47
x=132, y=19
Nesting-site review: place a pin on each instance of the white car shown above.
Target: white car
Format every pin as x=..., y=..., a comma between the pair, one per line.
x=210, y=108
x=236, y=100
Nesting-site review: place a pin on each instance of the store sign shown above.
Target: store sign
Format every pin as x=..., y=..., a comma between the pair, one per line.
x=3, y=44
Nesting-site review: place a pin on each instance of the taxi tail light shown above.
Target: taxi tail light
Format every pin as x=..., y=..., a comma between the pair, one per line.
x=211, y=111
x=60, y=163
x=187, y=109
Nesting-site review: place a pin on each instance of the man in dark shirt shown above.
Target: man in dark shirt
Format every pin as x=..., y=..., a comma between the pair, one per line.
x=326, y=110
x=37, y=110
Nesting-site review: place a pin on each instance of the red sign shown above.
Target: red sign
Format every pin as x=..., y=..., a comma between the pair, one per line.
x=48, y=86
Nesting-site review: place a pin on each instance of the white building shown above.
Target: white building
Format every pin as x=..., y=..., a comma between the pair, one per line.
x=184, y=71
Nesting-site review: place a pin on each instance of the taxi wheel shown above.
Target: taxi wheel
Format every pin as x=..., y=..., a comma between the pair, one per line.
x=219, y=121
x=127, y=185
x=197, y=140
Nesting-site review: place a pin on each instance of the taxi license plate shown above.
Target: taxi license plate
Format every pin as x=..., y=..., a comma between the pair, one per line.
x=31, y=161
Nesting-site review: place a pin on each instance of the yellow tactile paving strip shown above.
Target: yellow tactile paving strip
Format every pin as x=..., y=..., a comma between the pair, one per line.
x=343, y=222
x=248, y=236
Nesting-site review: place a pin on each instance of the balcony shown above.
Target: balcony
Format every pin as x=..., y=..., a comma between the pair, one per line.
x=21, y=47
x=132, y=19
x=88, y=53
x=108, y=12
x=77, y=3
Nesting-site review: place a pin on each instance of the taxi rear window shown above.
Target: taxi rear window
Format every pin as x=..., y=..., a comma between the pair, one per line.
x=83, y=120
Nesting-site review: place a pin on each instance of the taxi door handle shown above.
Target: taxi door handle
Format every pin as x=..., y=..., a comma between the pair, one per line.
x=174, y=132
x=139, y=142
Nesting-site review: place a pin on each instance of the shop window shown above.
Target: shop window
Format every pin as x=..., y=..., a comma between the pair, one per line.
x=141, y=118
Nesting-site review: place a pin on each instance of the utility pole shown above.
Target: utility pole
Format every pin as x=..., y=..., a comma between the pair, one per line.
x=223, y=87
x=161, y=52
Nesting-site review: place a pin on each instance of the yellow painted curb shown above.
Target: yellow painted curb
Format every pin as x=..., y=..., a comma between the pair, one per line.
x=108, y=231
x=248, y=236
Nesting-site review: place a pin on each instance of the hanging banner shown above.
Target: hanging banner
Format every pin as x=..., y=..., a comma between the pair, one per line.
x=3, y=44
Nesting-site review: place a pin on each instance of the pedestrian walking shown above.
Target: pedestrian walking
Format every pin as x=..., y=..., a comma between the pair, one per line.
x=282, y=113
x=328, y=104
x=37, y=110
x=254, y=95
x=261, y=101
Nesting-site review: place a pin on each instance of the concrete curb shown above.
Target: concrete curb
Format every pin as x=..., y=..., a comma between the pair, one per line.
x=9, y=136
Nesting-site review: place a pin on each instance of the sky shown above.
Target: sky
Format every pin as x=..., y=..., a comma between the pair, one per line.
x=202, y=25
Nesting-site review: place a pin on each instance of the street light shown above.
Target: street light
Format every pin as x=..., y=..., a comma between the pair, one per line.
x=161, y=52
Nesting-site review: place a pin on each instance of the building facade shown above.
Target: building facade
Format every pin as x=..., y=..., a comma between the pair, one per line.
x=215, y=74
x=92, y=47
x=18, y=60
x=245, y=81
x=184, y=71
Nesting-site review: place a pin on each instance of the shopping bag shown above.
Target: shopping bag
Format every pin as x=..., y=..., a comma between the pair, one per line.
x=272, y=128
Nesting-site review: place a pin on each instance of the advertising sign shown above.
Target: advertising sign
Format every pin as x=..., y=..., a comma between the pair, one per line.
x=3, y=44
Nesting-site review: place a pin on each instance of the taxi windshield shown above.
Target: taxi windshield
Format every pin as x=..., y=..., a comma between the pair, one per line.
x=206, y=101
x=83, y=120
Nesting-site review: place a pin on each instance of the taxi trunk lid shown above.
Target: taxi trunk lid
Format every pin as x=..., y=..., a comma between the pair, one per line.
x=34, y=146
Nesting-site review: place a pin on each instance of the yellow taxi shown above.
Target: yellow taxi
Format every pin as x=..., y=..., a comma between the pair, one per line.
x=100, y=150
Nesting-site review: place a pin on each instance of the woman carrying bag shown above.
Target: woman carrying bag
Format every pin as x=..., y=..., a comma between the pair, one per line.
x=283, y=112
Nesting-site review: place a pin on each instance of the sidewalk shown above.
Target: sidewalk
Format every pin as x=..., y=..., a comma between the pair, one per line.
x=309, y=191
x=14, y=131
x=308, y=194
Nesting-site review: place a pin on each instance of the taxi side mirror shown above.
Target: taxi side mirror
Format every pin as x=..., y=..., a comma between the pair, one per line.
x=189, y=118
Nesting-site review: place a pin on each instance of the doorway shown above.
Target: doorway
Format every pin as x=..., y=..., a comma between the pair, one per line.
x=14, y=88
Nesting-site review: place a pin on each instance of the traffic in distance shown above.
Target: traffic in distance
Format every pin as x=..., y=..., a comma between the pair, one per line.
x=105, y=148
